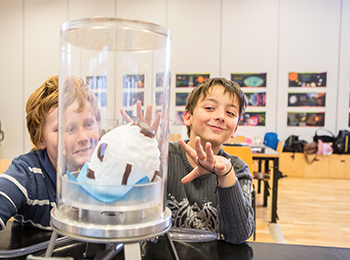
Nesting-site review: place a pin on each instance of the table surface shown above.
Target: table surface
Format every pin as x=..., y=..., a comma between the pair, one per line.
x=15, y=236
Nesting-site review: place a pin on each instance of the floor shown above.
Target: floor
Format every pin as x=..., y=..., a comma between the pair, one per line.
x=310, y=211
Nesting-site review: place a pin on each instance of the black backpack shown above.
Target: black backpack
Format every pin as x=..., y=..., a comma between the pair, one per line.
x=293, y=144
x=341, y=144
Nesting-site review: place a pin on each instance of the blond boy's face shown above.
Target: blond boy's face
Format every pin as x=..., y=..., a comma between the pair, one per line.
x=215, y=118
x=81, y=135
x=50, y=132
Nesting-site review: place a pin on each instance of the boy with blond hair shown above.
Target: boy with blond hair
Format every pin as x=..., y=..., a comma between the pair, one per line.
x=28, y=186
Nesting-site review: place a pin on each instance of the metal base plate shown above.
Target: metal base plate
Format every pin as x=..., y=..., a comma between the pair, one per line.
x=133, y=229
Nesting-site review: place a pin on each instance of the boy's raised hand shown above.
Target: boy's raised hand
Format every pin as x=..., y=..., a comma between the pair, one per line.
x=207, y=162
x=139, y=116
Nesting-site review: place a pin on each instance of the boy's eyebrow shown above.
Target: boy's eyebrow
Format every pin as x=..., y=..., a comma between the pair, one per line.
x=216, y=101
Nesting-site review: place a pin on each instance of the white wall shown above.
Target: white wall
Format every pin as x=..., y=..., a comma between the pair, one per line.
x=219, y=37
x=309, y=36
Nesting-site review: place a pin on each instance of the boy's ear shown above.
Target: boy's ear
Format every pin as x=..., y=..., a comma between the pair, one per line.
x=187, y=118
x=42, y=145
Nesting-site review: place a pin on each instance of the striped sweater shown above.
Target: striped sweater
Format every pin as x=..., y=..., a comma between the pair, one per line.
x=28, y=190
x=201, y=204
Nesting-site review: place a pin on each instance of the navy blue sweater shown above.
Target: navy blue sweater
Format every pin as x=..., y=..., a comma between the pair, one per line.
x=28, y=190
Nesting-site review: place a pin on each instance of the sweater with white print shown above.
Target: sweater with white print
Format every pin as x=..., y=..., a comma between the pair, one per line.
x=28, y=190
x=202, y=204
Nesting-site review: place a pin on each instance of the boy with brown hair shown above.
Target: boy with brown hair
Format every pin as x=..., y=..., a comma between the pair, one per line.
x=217, y=191
x=28, y=186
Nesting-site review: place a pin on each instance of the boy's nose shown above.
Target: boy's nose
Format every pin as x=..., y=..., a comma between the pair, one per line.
x=220, y=115
x=82, y=136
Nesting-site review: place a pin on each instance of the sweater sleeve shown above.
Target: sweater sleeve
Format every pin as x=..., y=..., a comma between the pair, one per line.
x=235, y=213
x=13, y=191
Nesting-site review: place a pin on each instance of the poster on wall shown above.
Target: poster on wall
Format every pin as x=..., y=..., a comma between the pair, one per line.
x=133, y=81
x=256, y=99
x=185, y=83
x=130, y=98
x=307, y=79
x=190, y=80
x=306, y=119
x=180, y=98
x=249, y=79
x=98, y=85
x=253, y=119
x=306, y=99
x=179, y=117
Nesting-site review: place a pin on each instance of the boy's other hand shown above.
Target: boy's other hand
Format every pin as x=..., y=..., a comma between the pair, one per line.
x=148, y=116
x=206, y=161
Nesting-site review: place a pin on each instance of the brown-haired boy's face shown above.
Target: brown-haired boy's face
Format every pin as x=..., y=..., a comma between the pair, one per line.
x=215, y=117
x=81, y=135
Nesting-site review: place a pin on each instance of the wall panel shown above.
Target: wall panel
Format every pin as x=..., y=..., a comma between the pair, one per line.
x=249, y=45
x=343, y=104
x=11, y=74
x=42, y=19
x=309, y=42
x=195, y=27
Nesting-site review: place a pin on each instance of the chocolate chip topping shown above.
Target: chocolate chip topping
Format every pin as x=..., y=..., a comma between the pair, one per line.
x=156, y=173
x=126, y=174
x=90, y=174
x=101, y=151
x=146, y=130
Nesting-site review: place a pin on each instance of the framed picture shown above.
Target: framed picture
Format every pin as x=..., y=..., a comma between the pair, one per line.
x=307, y=79
x=98, y=85
x=307, y=99
x=253, y=119
x=306, y=119
x=133, y=81
x=254, y=80
x=256, y=99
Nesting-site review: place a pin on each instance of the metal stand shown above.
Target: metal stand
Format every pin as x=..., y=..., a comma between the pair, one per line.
x=132, y=251
x=116, y=236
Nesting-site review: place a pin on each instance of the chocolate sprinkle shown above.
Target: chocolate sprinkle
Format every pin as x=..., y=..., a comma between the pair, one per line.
x=101, y=151
x=154, y=175
x=90, y=174
x=146, y=130
x=126, y=174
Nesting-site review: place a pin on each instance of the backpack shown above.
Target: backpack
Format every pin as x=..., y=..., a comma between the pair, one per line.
x=294, y=145
x=341, y=144
x=271, y=140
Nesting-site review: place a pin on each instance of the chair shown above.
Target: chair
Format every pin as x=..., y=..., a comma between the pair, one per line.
x=174, y=138
x=240, y=139
x=4, y=164
x=265, y=176
x=245, y=153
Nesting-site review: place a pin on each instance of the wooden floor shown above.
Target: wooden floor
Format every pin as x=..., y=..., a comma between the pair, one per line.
x=310, y=211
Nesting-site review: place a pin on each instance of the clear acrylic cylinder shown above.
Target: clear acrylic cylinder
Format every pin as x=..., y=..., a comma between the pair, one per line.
x=112, y=169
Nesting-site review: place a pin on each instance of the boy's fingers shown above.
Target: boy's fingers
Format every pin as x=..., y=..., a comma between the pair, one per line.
x=190, y=177
x=126, y=117
x=148, y=114
x=192, y=153
x=199, y=149
x=156, y=122
x=139, y=111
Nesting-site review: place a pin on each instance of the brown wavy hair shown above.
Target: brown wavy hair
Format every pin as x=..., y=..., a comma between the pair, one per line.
x=39, y=104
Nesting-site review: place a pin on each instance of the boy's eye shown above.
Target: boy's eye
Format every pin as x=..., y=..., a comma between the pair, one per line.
x=90, y=124
x=231, y=113
x=70, y=129
x=208, y=108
